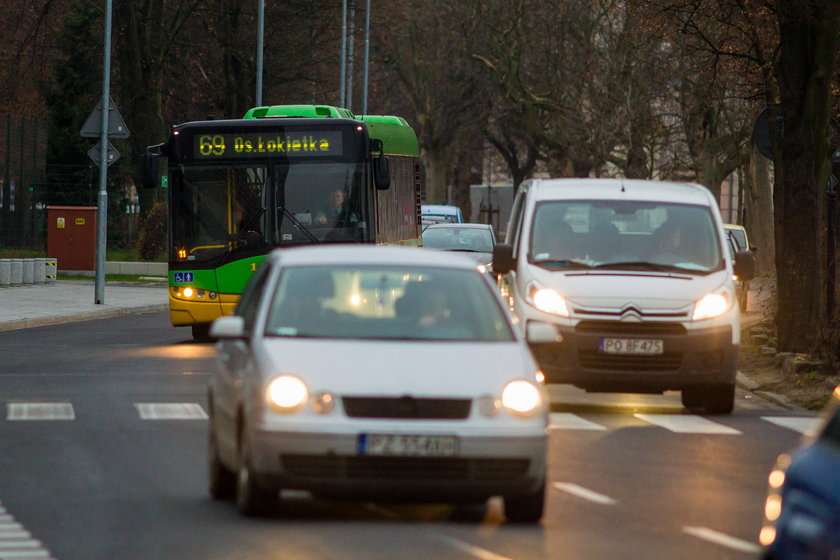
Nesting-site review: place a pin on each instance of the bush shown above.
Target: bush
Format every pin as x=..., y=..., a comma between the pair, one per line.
x=152, y=242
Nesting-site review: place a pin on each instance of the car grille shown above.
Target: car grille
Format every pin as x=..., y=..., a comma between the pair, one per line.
x=404, y=468
x=406, y=407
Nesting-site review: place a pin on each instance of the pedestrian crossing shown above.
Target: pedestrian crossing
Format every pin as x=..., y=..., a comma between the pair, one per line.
x=558, y=421
x=16, y=543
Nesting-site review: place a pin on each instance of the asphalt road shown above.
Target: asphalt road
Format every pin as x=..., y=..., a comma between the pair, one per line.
x=102, y=456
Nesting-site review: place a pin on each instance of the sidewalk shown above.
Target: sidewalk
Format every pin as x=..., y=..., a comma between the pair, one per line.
x=65, y=301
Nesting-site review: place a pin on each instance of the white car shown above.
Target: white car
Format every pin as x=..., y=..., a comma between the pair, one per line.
x=376, y=373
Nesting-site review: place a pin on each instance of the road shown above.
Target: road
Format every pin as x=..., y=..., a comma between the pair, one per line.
x=102, y=456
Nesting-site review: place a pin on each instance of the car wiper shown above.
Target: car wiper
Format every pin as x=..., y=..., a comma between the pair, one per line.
x=295, y=222
x=571, y=263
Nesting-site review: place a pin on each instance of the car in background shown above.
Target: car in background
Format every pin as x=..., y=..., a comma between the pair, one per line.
x=440, y=213
x=380, y=374
x=738, y=238
x=477, y=240
x=802, y=511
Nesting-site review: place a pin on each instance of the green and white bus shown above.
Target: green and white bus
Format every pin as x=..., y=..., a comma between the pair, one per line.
x=282, y=176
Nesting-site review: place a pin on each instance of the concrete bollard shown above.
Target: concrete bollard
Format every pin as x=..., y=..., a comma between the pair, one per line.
x=5, y=272
x=16, y=277
x=40, y=270
x=28, y=276
x=51, y=269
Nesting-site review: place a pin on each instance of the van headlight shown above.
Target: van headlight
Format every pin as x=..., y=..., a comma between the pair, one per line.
x=521, y=397
x=287, y=393
x=547, y=300
x=713, y=304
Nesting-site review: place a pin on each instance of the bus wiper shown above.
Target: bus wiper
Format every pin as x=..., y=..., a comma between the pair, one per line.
x=571, y=263
x=302, y=228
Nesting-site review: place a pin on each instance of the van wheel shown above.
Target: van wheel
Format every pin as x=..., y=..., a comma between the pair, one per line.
x=526, y=508
x=714, y=399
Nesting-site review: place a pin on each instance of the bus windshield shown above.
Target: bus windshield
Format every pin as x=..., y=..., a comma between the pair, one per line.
x=218, y=210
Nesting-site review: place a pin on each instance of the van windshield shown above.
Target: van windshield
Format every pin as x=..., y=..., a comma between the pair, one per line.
x=625, y=234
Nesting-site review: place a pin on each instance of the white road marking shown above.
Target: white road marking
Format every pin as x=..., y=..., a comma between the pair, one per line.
x=799, y=424
x=8, y=523
x=40, y=411
x=28, y=543
x=18, y=554
x=16, y=542
x=170, y=411
x=722, y=539
x=14, y=534
x=686, y=424
x=481, y=553
x=584, y=493
x=569, y=421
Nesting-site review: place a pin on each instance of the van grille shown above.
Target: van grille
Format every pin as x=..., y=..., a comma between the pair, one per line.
x=407, y=408
x=611, y=328
x=591, y=359
x=404, y=468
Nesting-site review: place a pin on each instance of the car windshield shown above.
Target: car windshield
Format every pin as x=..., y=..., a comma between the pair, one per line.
x=386, y=302
x=458, y=239
x=625, y=235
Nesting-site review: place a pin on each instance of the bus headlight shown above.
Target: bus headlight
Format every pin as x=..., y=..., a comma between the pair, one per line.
x=287, y=393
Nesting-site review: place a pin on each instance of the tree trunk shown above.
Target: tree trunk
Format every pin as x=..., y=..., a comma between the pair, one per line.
x=758, y=202
x=808, y=47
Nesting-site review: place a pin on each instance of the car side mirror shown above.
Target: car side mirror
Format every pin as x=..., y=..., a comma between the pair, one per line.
x=229, y=326
x=503, y=261
x=381, y=172
x=537, y=332
x=151, y=169
x=744, y=267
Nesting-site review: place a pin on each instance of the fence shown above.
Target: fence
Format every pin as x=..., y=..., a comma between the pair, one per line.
x=28, y=186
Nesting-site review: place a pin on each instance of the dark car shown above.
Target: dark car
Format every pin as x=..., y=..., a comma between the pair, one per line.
x=802, y=511
x=476, y=239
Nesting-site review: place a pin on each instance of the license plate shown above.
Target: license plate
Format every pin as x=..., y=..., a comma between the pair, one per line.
x=632, y=346
x=408, y=445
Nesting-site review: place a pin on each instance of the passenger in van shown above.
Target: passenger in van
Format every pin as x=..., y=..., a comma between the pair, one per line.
x=555, y=240
x=671, y=244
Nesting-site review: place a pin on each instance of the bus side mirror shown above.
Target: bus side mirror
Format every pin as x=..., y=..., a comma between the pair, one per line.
x=151, y=164
x=381, y=172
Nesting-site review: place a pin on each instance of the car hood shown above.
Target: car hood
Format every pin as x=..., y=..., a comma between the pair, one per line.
x=615, y=289
x=397, y=368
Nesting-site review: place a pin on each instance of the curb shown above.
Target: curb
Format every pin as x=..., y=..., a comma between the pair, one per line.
x=751, y=386
x=99, y=314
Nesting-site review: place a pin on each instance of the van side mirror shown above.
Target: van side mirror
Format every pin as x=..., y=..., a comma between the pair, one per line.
x=744, y=267
x=151, y=170
x=503, y=261
x=381, y=172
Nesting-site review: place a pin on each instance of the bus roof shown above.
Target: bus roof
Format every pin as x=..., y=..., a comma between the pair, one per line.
x=398, y=138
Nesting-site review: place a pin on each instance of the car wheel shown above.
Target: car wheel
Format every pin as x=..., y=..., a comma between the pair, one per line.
x=222, y=481
x=743, y=296
x=714, y=399
x=527, y=508
x=252, y=499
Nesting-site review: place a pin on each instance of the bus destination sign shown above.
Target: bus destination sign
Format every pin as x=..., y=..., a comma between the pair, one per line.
x=232, y=145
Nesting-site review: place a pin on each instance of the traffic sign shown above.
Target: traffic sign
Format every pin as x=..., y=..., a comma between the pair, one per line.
x=116, y=124
x=111, y=155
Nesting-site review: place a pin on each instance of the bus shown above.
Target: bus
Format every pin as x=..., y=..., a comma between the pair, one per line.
x=281, y=176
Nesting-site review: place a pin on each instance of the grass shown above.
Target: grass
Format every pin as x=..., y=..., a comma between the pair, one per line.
x=134, y=278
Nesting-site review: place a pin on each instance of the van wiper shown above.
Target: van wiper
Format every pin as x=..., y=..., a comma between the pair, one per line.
x=641, y=265
x=569, y=263
x=295, y=222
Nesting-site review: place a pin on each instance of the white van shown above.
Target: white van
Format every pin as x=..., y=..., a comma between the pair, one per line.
x=632, y=278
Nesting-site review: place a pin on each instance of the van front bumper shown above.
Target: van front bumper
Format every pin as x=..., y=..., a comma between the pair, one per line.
x=689, y=357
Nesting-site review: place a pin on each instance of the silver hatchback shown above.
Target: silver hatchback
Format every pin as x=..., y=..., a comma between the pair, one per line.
x=375, y=373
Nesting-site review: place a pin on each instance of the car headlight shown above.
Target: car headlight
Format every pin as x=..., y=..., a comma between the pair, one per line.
x=547, y=300
x=287, y=393
x=521, y=397
x=712, y=304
